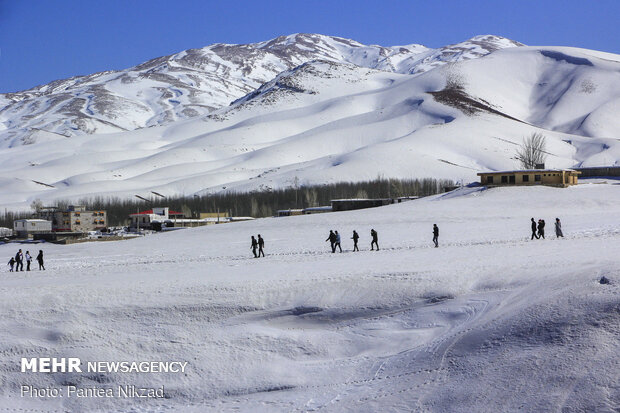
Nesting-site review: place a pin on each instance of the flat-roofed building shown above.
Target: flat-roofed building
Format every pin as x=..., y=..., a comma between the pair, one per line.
x=351, y=204
x=74, y=219
x=145, y=219
x=551, y=177
x=289, y=212
x=25, y=228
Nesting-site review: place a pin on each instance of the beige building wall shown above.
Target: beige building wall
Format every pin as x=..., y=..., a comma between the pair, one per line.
x=542, y=177
x=204, y=215
x=80, y=221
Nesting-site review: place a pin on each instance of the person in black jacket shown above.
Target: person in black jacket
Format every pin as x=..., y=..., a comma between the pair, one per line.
x=541, y=228
x=558, y=228
x=534, y=229
x=254, y=246
x=355, y=237
x=19, y=261
x=436, y=235
x=261, y=244
x=40, y=260
x=332, y=240
x=375, y=240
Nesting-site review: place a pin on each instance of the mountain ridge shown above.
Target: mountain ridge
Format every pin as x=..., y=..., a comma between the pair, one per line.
x=325, y=121
x=196, y=82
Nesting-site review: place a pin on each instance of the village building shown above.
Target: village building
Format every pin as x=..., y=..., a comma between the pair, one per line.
x=215, y=217
x=317, y=210
x=359, y=203
x=74, y=219
x=159, y=215
x=161, y=218
x=407, y=198
x=550, y=177
x=27, y=228
x=289, y=212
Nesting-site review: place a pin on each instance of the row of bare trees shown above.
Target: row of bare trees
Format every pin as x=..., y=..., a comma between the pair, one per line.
x=255, y=204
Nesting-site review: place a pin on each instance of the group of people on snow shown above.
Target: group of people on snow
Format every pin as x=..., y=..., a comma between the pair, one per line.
x=17, y=262
x=538, y=229
x=260, y=244
x=334, y=240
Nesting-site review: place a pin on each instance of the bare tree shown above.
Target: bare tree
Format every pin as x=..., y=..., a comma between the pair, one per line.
x=532, y=151
x=36, y=205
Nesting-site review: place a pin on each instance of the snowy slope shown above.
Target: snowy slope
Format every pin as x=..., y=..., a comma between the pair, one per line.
x=197, y=81
x=488, y=322
x=325, y=121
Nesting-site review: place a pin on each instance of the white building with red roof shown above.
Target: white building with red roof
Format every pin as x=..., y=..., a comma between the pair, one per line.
x=145, y=219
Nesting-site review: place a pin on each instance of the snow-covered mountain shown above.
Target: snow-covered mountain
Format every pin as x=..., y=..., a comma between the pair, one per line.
x=328, y=120
x=197, y=81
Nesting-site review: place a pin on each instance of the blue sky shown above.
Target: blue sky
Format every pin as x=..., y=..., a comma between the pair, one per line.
x=44, y=40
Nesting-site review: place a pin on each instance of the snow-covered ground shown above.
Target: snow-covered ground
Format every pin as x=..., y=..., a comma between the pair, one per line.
x=490, y=321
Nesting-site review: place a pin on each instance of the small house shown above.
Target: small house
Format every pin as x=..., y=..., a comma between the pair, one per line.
x=145, y=219
x=550, y=177
x=351, y=204
x=289, y=212
x=317, y=210
x=25, y=228
x=214, y=217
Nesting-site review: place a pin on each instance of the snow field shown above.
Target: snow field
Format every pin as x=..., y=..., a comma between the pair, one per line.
x=489, y=321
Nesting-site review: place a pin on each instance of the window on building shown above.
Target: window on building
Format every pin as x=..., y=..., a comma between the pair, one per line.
x=511, y=179
x=504, y=179
x=526, y=178
x=489, y=179
x=537, y=178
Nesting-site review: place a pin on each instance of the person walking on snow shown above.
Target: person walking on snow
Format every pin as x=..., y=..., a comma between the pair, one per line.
x=541, y=228
x=261, y=244
x=337, y=244
x=11, y=263
x=332, y=240
x=40, y=260
x=28, y=260
x=436, y=235
x=558, y=228
x=534, y=229
x=254, y=246
x=375, y=240
x=355, y=237
x=19, y=261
